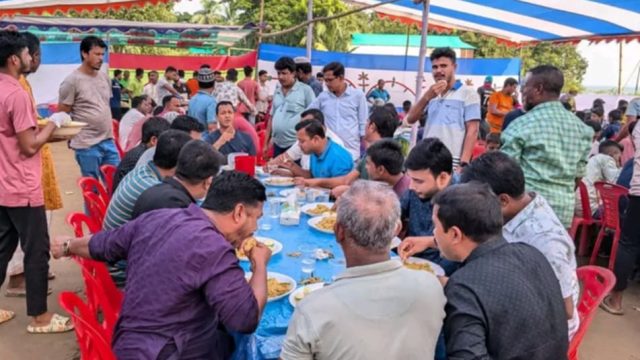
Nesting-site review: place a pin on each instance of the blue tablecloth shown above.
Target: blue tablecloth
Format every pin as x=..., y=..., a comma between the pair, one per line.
x=266, y=342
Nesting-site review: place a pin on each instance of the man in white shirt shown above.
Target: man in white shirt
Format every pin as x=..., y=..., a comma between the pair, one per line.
x=141, y=107
x=165, y=84
x=377, y=308
x=151, y=88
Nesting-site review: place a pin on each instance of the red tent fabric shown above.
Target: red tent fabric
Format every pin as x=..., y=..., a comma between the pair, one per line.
x=31, y=7
x=157, y=62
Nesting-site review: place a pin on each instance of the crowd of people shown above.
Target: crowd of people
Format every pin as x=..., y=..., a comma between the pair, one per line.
x=488, y=193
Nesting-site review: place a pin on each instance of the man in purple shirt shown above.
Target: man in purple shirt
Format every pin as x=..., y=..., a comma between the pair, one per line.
x=185, y=288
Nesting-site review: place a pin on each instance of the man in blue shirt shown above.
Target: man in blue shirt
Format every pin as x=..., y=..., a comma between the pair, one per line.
x=116, y=95
x=328, y=159
x=227, y=139
x=203, y=105
x=379, y=94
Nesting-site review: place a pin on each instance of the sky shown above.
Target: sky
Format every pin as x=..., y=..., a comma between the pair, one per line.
x=602, y=58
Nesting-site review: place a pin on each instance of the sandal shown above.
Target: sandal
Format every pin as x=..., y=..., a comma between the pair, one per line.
x=58, y=324
x=6, y=315
x=604, y=305
x=51, y=275
x=21, y=292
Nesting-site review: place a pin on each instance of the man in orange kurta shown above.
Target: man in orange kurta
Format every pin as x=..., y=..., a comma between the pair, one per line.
x=500, y=103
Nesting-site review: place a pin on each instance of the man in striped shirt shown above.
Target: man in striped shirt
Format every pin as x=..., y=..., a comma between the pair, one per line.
x=143, y=177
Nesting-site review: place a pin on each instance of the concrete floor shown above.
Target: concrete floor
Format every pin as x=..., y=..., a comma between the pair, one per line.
x=609, y=337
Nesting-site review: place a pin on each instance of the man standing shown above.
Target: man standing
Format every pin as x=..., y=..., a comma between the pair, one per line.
x=304, y=73
x=265, y=95
x=229, y=91
x=202, y=106
x=549, y=142
x=345, y=108
x=125, y=103
x=22, y=212
x=291, y=98
x=115, y=102
x=226, y=138
x=151, y=88
x=500, y=104
x=379, y=96
x=250, y=88
x=165, y=84
x=485, y=91
x=135, y=85
x=85, y=94
x=204, y=291
x=374, y=297
x=452, y=108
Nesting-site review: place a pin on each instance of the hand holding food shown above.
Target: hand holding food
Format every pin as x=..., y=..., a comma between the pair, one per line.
x=415, y=244
x=60, y=119
x=259, y=254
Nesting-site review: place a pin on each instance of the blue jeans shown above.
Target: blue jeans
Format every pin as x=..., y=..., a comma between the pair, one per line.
x=90, y=159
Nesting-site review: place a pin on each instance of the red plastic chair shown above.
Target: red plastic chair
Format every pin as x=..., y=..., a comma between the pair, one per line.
x=585, y=222
x=91, y=338
x=261, y=126
x=597, y=282
x=108, y=302
x=89, y=184
x=108, y=172
x=610, y=195
x=116, y=136
x=79, y=220
x=95, y=207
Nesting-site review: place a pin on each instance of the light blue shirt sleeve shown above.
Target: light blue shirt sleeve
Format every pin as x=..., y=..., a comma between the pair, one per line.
x=211, y=113
x=315, y=104
x=363, y=114
x=309, y=96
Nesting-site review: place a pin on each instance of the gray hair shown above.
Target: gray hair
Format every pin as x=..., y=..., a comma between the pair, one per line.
x=370, y=213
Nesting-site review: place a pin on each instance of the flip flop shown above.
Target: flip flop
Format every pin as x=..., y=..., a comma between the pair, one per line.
x=51, y=275
x=58, y=324
x=6, y=315
x=604, y=305
x=21, y=292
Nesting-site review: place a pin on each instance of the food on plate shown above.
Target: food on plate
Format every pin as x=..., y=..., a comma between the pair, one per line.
x=319, y=209
x=419, y=266
x=322, y=254
x=311, y=280
x=327, y=223
x=280, y=181
x=277, y=288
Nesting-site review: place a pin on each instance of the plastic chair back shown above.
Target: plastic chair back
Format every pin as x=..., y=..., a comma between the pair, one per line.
x=78, y=221
x=597, y=282
x=116, y=136
x=100, y=301
x=610, y=195
x=96, y=208
x=584, y=202
x=91, y=338
x=108, y=173
x=93, y=185
x=99, y=271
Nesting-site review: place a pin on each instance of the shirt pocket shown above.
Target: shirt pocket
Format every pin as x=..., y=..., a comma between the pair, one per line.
x=452, y=114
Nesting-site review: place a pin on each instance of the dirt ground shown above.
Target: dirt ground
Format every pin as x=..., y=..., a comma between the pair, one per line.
x=610, y=337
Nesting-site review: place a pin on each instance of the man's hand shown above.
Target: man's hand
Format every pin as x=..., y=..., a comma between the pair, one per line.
x=437, y=89
x=59, y=119
x=259, y=256
x=57, y=246
x=415, y=244
x=300, y=182
x=337, y=191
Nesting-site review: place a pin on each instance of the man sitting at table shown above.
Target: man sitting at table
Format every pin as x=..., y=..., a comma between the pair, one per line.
x=328, y=159
x=381, y=125
x=377, y=308
x=183, y=123
x=185, y=284
x=504, y=302
x=429, y=167
x=197, y=164
x=226, y=138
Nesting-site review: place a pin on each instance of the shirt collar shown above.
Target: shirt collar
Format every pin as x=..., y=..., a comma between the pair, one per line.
x=485, y=248
x=154, y=169
x=548, y=105
x=371, y=269
x=177, y=185
x=524, y=214
x=326, y=150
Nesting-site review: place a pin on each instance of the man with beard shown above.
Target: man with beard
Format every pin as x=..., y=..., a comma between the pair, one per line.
x=22, y=212
x=85, y=94
x=452, y=108
x=549, y=142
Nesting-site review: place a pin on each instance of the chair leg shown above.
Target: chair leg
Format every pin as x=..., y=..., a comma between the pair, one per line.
x=575, y=224
x=583, y=247
x=596, y=247
x=614, y=249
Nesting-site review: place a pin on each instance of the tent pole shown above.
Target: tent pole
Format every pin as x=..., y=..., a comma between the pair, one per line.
x=421, y=59
x=620, y=68
x=406, y=48
x=309, y=28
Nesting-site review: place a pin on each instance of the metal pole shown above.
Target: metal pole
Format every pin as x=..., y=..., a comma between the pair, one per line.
x=421, y=59
x=620, y=69
x=260, y=31
x=309, y=28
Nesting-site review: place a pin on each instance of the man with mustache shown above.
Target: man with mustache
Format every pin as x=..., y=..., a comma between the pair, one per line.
x=452, y=108
x=85, y=94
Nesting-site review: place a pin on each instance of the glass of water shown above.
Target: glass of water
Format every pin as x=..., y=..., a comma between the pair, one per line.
x=274, y=207
x=310, y=195
x=308, y=264
x=322, y=196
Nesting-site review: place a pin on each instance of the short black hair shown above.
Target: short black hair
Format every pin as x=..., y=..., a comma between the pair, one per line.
x=304, y=67
x=510, y=82
x=11, y=43
x=232, y=74
x=153, y=72
x=385, y=121
x=430, y=154
x=335, y=67
x=262, y=72
x=581, y=115
x=473, y=208
x=139, y=72
x=594, y=125
x=615, y=115
x=406, y=103
x=608, y=144
x=598, y=110
x=320, y=75
x=388, y=154
x=117, y=72
x=285, y=63
x=170, y=69
x=187, y=124
x=181, y=73
x=198, y=161
x=494, y=137
x=224, y=103
x=195, y=73
x=311, y=128
x=169, y=145
x=167, y=99
x=248, y=70
x=232, y=188
x=217, y=72
x=566, y=105
x=499, y=171
x=154, y=126
x=550, y=77
x=622, y=104
x=391, y=108
x=316, y=113
x=137, y=100
x=89, y=43
x=443, y=52
x=33, y=43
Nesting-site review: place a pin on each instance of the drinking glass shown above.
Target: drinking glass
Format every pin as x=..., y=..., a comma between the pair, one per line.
x=322, y=196
x=274, y=208
x=310, y=195
x=308, y=264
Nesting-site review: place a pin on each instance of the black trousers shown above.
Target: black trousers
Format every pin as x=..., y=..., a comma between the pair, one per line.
x=629, y=247
x=27, y=226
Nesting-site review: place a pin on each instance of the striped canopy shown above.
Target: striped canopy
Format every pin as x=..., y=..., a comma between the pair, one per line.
x=31, y=7
x=521, y=21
